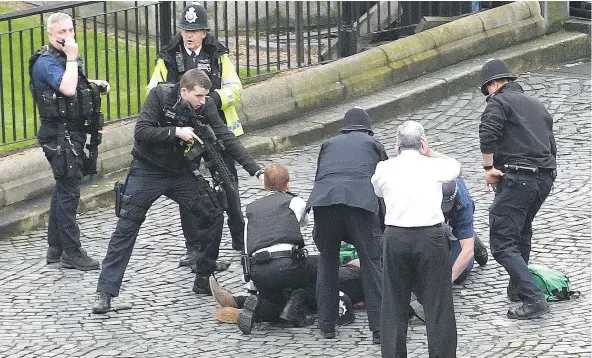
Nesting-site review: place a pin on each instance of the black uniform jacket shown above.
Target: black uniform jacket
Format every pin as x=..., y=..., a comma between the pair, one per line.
x=517, y=129
x=154, y=136
x=345, y=165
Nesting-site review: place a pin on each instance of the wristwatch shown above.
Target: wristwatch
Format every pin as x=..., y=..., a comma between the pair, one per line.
x=487, y=167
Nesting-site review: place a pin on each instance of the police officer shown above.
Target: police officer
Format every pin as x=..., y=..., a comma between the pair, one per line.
x=465, y=245
x=159, y=167
x=68, y=102
x=518, y=147
x=194, y=47
x=275, y=259
x=346, y=209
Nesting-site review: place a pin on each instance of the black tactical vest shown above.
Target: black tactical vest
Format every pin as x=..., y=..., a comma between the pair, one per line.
x=204, y=61
x=271, y=222
x=54, y=106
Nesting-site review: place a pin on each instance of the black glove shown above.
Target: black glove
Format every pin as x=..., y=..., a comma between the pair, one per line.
x=216, y=97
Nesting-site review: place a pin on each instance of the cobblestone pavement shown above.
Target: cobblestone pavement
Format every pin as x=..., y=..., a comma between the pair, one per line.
x=45, y=310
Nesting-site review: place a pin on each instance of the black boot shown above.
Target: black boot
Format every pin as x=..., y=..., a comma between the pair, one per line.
x=294, y=311
x=529, y=310
x=53, y=254
x=249, y=314
x=102, y=303
x=480, y=251
x=201, y=285
x=78, y=260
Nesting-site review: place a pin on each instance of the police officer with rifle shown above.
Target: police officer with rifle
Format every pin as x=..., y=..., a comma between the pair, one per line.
x=195, y=47
x=166, y=135
x=69, y=107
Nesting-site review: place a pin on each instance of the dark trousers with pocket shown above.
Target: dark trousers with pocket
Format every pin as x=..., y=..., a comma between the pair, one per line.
x=517, y=201
x=361, y=228
x=276, y=279
x=236, y=224
x=63, y=232
x=417, y=259
x=144, y=186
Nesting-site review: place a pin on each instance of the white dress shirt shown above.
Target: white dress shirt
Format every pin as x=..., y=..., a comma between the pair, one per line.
x=411, y=185
x=190, y=53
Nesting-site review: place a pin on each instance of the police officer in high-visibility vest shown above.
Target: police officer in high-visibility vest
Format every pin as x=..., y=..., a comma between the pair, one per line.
x=194, y=47
x=69, y=105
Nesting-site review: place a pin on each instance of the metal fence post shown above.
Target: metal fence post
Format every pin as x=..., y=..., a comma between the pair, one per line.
x=348, y=35
x=165, y=22
x=299, y=28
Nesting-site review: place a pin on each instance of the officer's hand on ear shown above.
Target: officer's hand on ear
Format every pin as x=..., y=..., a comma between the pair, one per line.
x=70, y=48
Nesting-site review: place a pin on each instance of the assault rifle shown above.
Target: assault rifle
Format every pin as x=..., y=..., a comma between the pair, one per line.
x=92, y=126
x=211, y=150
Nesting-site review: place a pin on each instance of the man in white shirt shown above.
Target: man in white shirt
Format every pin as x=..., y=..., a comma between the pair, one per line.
x=415, y=243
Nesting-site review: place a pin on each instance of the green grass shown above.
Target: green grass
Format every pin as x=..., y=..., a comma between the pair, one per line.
x=121, y=93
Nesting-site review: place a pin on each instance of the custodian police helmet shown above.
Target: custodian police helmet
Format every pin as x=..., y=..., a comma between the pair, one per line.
x=494, y=69
x=449, y=191
x=356, y=119
x=194, y=17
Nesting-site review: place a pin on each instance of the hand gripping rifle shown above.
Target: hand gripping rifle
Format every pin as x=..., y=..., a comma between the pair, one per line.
x=211, y=150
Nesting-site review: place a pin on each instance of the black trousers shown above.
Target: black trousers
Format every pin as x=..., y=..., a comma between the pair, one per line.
x=144, y=186
x=417, y=259
x=361, y=228
x=277, y=278
x=236, y=224
x=62, y=230
x=517, y=201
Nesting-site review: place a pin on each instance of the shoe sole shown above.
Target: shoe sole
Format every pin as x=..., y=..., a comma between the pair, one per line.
x=100, y=311
x=52, y=261
x=246, y=318
x=531, y=316
x=81, y=268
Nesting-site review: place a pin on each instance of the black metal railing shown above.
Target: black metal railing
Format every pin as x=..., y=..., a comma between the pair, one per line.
x=120, y=44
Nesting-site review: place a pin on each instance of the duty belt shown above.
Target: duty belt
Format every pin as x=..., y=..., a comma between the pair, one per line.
x=519, y=169
x=266, y=256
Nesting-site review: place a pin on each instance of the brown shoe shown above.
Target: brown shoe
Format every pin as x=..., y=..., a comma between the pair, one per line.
x=227, y=315
x=224, y=298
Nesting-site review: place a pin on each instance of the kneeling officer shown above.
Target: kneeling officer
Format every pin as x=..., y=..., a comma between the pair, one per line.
x=162, y=136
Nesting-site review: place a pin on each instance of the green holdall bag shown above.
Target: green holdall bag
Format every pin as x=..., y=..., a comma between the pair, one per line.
x=554, y=284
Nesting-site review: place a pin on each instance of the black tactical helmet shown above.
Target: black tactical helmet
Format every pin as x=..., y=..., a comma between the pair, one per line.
x=194, y=17
x=494, y=69
x=449, y=191
x=356, y=119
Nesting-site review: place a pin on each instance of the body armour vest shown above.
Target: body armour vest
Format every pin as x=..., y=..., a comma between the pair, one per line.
x=204, y=61
x=271, y=222
x=54, y=106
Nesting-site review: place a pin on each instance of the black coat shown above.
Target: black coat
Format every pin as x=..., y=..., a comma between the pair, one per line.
x=154, y=136
x=345, y=166
x=517, y=129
